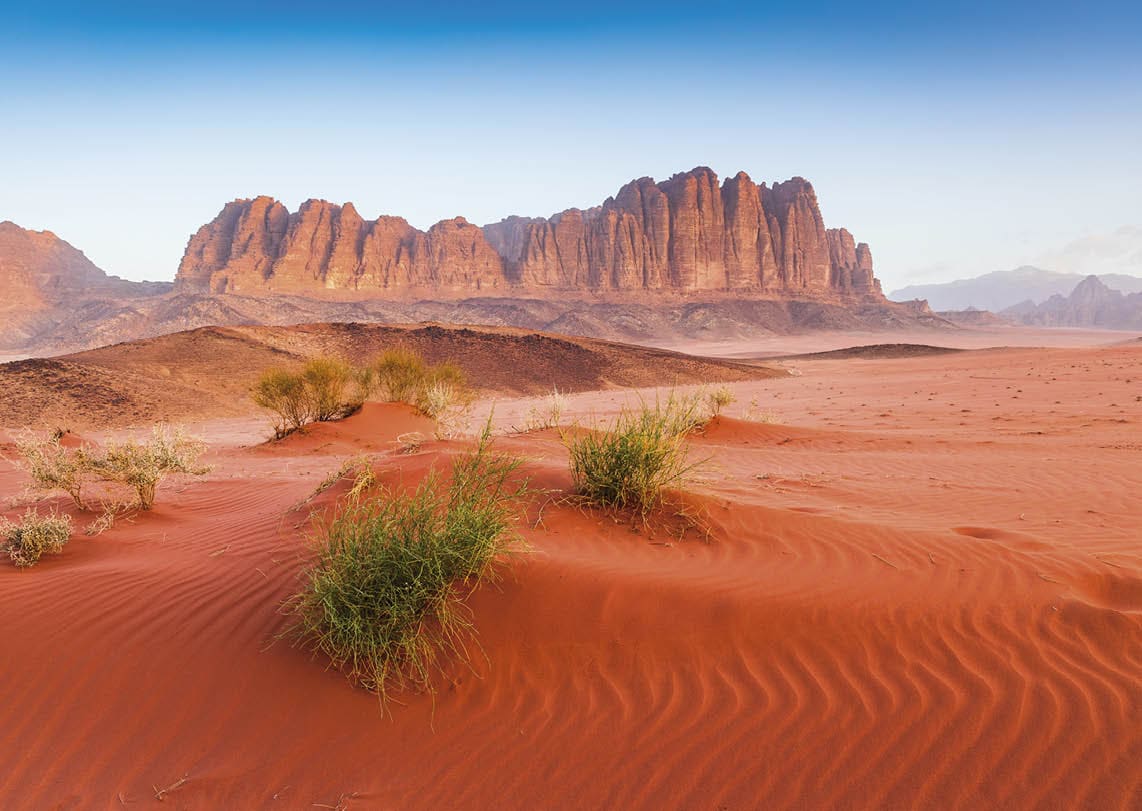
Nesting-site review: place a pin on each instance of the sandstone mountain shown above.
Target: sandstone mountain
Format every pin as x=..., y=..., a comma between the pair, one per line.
x=686, y=235
x=686, y=257
x=45, y=279
x=1090, y=304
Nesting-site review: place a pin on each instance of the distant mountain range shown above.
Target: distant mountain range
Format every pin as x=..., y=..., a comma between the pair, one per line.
x=1006, y=288
x=1090, y=304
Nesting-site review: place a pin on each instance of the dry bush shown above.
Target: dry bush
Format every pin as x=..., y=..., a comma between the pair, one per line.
x=54, y=467
x=755, y=414
x=549, y=414
x=142, y=465
x=718, y=399
x=449, y=405
x=35, y=535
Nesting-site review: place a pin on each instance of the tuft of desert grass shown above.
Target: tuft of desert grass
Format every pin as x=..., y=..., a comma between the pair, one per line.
x=644, y=452
x=33, y=536
x=385, y=600
x=549, y=414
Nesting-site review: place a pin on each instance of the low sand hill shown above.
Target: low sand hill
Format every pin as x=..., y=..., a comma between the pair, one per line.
x=208, y=372
x=922, y=589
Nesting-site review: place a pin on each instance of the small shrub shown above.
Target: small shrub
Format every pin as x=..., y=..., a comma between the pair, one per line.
x=399, y=374
x=450, y=406
x=54, y=467
x=718, y=399
x=644, y=452
x=549, y=414
x=755, y=414
x=325, y=389
x=285, y=394
x=35, y=535
x=386, y=599
x=141, y=466
x=327, y=383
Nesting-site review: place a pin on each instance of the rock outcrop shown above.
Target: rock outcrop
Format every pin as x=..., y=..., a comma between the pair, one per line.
x=684, y=235
x=44, y=277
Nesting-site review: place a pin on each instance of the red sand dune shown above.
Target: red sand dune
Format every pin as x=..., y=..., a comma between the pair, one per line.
x=922, y=589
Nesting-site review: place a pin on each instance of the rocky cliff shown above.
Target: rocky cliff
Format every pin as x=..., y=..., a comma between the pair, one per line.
x=684, y=235
x=44, y=278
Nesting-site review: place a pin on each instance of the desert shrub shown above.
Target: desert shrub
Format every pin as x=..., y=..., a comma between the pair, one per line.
x=325, y=389
x=549, y=414
x=755, y=414
x=386, y=598
x=285, y=394
x=399, y=374
x=328, y=384
x=629, y=465
x=449, y=374
x=718, y=399
x=54, y=467
x=447, y=404
x=142, y=465
x=35, y=535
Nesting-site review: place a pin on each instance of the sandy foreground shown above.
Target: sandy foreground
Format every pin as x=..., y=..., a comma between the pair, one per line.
x=922, y=588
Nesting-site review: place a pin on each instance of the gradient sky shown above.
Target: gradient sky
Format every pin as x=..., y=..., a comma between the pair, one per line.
x=956, y=141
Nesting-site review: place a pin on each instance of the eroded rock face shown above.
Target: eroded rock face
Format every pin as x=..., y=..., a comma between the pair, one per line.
x=687, y=234
x=42, y=276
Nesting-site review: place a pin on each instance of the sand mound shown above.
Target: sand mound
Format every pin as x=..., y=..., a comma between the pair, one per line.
x=208, y=372
x=877, y=352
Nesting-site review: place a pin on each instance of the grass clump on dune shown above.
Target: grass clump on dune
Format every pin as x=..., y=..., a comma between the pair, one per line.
x=643, y=453
x=326, y=389
x=386, y=598
x=27, y=541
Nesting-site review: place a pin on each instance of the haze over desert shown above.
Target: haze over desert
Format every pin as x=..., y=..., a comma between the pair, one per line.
x=721, y=406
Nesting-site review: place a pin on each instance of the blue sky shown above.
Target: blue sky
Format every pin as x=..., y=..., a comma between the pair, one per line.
x=956, y=141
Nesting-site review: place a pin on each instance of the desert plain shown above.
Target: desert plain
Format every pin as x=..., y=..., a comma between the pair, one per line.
x=917, y=583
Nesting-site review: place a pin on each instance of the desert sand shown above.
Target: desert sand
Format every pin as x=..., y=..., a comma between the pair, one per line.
x=921, y=588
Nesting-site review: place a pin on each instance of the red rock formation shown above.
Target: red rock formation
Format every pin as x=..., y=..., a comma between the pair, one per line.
x=683, y=235
x=43, y=277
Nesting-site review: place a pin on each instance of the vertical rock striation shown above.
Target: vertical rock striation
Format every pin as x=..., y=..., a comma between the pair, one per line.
x=687, y=235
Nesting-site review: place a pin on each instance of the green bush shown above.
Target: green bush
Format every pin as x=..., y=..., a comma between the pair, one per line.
x=399, y=374
x=328, y=383
x=386, y=599
x=26, y=541
x=325, y=389
x=284, y=393
x=629, y=465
